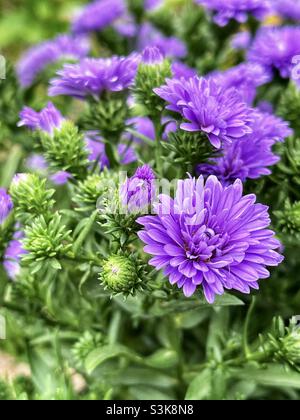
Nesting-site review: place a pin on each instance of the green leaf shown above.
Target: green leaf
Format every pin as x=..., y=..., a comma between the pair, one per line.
x=163, y=359
x=101, y=355
x=200, y=387
x=273, y=376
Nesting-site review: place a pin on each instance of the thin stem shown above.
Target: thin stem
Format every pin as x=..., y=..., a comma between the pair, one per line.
x=158, y=150
x=83, y=235
x=246, y=347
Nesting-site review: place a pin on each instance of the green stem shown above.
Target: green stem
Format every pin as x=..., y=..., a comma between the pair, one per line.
x=246, y=347
x=111, y=154
x=83, y=235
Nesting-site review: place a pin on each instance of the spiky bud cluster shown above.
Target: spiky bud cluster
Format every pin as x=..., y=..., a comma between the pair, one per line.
x=10, y=98
x=86, y=344
x=123, y=274
x=289, y=218
x=46, y=241
x=151, y=74
x=285, y=341
x=31, y=197
x=66, y=150
x=94, y=188
x=290, y=158
x=289, y=106
x=107, y=116
x=189, y=149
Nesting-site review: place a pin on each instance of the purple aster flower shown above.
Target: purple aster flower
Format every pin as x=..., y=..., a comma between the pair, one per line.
x=91, y=77
x=6, y=205
x=208, y=107
x=225, y=10
x=98, y=15
x=180, y=70
x=152, y=56
x=212, y=237
x=61, y=177
x=171, y=47
x=46, y=120
x=35, y=60
x=12, y=257
x=241, y=41
x=275, y=48
x=245, y=78
x=96, y=148
x=251, y=156
x=289, y=9
x=138, y=192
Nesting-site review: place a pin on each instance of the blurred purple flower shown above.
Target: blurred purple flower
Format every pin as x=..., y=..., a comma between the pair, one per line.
x=36, y=59
x=91, y=77
x=225, y=10
x=245, y=78
x=289, y=9
x=211, y=237
x=275, y=48
x=48, y=119
x=61, y=177
x=13, y=255
x=241, y=41
x=98, y=15
x=6, y=205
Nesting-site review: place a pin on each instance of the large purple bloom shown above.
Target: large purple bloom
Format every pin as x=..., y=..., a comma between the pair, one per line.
x=209, y=107
x=246, y=78
x=251, y=156
x=91, y=77
x=36, y=59
x=289, y=9
x=236, y=9
x=6, y=205
x=212, y=237
x=98, y=15
x=275, y=48
x=48, y=119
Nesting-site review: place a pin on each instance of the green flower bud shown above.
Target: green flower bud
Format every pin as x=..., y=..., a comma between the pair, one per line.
x=46, y=241
x=11, y=100
x=31, y=197
x=122, y=274
x=289, y=218
x=107, y=116
x=66, y=150
x=151, y=74
x=86, y=344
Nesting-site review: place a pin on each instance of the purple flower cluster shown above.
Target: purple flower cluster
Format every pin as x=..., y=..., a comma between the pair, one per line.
x=251, y=156
x=35, y=60
x=98, y=15
x=211, y=236
x=6, y=205
x=91, y=77
x=138, y=192
x=245, y=78
x=225, y=10
x=275, y=48
x=209, y=107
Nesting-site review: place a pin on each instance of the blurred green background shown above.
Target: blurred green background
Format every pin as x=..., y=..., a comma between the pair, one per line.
x=26, y=22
